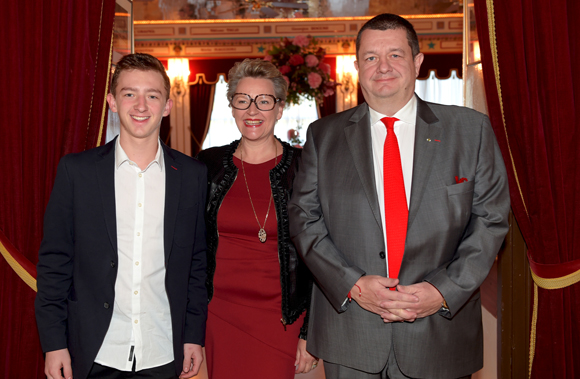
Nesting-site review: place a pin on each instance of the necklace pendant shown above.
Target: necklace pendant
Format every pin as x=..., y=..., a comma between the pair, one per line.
x=262, y=235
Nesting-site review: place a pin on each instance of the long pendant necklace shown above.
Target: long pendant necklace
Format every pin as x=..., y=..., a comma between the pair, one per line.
x=262, y=232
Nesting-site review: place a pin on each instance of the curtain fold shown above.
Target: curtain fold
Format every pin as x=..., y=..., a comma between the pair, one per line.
x=328, y=103
x=212, y=68
x=201, y=97
x=55, y=59
x=530, y=59
x=328, y=106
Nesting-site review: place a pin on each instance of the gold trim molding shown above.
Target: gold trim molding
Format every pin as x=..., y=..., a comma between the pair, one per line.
x=282, y=20
x=253, y=37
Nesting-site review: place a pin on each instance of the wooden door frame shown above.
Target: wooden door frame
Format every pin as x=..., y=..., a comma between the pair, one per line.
x=514, y=288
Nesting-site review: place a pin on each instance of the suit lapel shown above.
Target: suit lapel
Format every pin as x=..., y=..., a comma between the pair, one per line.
x=172, y=195
x=427, y=130
x=105, y=168
x=358, y=137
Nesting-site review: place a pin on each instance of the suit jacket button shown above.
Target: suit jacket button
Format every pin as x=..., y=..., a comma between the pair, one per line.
x=113, y=264
x=106, y=305
x=382, y=255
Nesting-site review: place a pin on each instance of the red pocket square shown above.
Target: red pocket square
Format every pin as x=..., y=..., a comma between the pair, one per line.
x=460, y=180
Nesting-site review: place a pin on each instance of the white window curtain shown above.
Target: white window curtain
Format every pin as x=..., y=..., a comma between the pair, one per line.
x=223, y=129
x=443, y=91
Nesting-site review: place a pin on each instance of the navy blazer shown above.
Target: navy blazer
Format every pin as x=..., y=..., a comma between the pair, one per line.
x=77, y=261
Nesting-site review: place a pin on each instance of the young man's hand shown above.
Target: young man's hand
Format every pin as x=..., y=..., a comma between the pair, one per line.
x=192, y=358
x=56, y=360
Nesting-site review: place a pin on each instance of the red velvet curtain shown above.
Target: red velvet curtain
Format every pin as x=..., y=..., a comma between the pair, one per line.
x=531, y=60
x=328, y=107
x=212, y=68
x=55, y=60
x=442, y=64
x=328, y=103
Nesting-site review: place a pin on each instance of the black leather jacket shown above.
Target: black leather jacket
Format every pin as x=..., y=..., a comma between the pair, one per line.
x=295, y=278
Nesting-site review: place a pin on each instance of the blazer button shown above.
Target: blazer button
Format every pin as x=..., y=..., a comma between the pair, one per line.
x=382, y=255
x=106, y=305
x=113, y=264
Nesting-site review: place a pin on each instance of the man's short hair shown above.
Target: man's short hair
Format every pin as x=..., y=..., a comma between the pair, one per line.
x=141, y=62
x=388, y=21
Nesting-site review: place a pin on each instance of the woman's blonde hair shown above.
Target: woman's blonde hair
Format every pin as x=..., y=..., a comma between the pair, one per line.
x=259, y=69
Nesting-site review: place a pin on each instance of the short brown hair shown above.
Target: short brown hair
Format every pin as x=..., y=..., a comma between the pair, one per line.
x=259, y=69
x=389, y=21
x=141, y=62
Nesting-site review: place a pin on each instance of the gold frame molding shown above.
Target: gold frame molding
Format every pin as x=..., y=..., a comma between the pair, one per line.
x=442, y=33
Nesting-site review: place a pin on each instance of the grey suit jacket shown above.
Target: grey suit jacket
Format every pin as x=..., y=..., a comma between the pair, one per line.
x=454, y=233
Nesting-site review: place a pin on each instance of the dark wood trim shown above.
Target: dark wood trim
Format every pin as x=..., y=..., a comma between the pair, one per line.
x=514, y=304
x=489, y=290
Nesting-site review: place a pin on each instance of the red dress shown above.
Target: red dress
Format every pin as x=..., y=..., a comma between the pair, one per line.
x=245, y=335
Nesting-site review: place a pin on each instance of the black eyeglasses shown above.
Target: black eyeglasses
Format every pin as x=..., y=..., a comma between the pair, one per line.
x=264, y=102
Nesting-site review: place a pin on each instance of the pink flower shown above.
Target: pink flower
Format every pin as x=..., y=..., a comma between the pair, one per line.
x=295, y=60
x=328, y=91
x=311, y=60
x=285, y=69
x=329, y=88
x=293, y=133
x=301, y=41
x=268, y=58
x=286, y=79
x=314, y=80
x=324, y=67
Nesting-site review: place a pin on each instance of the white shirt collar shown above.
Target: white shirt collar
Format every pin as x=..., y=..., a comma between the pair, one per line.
x=121, y=157
x=407, y=114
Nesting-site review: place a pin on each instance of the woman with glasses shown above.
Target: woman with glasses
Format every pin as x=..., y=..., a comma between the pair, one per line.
x=259, y=289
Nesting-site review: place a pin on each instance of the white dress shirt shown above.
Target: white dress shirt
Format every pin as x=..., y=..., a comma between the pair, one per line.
x=141, y=325
x=405, y=132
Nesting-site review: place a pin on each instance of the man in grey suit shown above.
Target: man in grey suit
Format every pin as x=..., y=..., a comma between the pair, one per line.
x=420, y=317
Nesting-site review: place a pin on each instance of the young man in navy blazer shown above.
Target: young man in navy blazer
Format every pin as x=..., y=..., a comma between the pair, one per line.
x=121, y=268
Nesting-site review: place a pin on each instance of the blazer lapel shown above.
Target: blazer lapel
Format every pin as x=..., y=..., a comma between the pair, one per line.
x=105, y=168
x=172, y=195
x=358, y=137
x=427, y=130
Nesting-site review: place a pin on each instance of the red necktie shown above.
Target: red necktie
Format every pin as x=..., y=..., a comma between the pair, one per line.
x=396, y=211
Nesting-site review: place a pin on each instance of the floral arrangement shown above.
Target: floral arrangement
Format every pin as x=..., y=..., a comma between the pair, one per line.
x=300, y=62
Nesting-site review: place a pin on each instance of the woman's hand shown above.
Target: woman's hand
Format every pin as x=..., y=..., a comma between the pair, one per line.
x=304, y=360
